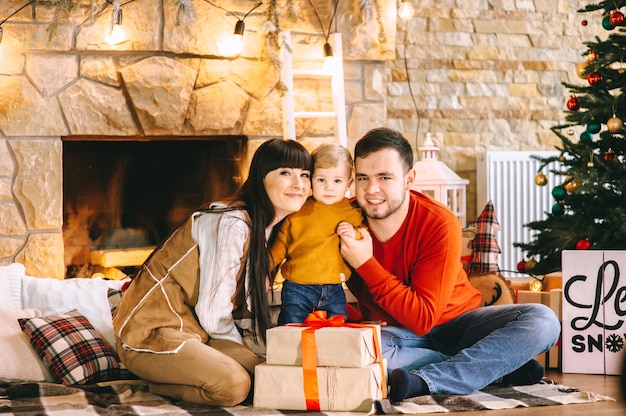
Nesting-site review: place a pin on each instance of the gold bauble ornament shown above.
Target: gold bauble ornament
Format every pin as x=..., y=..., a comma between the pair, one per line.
x=530, y=264
x=541, y=179
x=614, y=125
x=590, y=164
x=572, y=184
x=570, y=132
x=581, y=69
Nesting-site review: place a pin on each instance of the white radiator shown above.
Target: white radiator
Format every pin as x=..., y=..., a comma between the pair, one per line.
x=508, y=179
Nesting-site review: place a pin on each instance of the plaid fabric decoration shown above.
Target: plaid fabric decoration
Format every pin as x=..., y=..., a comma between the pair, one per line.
x=485, y=247
x=72, y=349
x=114, y=296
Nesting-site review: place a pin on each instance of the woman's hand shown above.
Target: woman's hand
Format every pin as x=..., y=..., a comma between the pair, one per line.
x=356, y=252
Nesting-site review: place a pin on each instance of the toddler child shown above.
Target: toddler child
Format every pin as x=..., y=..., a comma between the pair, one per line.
x=307, y=241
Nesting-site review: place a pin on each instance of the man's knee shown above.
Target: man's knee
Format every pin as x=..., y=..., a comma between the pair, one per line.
x=550, y=327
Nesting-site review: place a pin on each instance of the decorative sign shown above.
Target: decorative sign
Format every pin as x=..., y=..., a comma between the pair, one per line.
x=594, y=311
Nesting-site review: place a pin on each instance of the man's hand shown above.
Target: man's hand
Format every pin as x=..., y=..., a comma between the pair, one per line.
x=356, y=252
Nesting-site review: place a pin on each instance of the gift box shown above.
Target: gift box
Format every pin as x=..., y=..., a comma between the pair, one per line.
x=336, y=346
x=346, y=389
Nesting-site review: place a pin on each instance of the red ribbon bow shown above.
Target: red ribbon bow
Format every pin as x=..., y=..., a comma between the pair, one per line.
x=318, y=319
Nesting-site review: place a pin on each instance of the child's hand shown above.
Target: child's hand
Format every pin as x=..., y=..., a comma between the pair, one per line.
x=345, y=229
x=355, y=251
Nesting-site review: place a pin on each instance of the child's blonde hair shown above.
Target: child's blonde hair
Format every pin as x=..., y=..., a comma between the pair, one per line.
x=329, y=155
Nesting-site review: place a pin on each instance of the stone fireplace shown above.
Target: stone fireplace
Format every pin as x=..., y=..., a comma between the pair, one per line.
x=64, y=93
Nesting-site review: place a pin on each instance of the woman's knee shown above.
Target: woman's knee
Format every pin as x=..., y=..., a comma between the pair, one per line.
x=197, y=374
x=233, y=390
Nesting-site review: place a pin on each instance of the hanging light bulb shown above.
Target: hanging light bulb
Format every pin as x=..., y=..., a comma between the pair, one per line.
x=405, y=11
x=329, y=59
x=231, y=44
x=116, y=35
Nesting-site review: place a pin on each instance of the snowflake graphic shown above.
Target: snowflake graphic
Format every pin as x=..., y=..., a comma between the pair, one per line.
x=614, y=343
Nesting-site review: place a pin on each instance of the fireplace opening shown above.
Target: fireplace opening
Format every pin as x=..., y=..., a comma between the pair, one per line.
x=122, y=197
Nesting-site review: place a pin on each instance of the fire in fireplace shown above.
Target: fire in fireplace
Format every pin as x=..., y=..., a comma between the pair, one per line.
x=127, y=195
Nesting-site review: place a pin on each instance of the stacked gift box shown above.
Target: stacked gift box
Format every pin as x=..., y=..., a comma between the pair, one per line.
x=348, y=369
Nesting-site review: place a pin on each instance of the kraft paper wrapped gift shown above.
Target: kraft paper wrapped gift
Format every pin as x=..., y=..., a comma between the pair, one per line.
x=340, y=389
x=336, y=346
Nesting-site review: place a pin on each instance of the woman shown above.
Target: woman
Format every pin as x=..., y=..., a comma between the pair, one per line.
x=186, y=323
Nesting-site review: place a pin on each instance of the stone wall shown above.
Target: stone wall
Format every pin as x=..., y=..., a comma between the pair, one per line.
x=484, y=74
x=60, y=79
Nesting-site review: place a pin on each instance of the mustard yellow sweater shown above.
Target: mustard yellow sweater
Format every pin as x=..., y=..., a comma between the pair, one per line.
x=308, y=242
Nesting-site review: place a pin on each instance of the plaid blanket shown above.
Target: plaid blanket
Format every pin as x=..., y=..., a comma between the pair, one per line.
x=131, y=397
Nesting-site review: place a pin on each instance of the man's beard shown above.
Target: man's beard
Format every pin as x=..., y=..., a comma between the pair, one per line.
x=392, y=207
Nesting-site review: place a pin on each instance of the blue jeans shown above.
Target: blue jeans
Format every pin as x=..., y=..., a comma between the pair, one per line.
x=297, y=301
x=475, y=349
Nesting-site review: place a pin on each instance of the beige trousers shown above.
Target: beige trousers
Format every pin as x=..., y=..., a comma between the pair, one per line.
x=218, y=373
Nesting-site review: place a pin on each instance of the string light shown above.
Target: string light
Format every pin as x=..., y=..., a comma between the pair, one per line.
x=231, y=44
x=116, y=34
x=406, y=10
x=10, y=16
x=329, y=59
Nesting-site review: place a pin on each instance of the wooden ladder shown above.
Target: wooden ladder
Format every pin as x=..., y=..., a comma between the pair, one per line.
x=335, y=75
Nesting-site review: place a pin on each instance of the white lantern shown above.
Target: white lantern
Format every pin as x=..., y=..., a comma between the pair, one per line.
x=436, y=180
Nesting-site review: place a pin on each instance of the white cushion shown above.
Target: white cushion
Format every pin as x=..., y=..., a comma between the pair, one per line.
x=19, y=359
x=88, y=296
x=10, y=286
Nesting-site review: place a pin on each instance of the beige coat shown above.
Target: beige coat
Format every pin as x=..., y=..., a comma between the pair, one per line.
x=190, y=287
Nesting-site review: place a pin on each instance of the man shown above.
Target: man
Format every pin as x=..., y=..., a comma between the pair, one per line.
x=408, y=275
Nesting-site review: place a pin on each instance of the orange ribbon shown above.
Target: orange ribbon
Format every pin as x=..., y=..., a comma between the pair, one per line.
x=316, y=320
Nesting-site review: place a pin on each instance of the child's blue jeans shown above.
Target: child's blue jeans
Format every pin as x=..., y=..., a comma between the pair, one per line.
x=298, y=301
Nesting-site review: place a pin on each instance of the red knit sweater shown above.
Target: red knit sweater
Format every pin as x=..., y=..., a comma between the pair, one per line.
x=416, y=279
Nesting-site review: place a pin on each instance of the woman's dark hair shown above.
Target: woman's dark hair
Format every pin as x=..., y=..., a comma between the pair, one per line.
x=271, y=155
x=385, y=138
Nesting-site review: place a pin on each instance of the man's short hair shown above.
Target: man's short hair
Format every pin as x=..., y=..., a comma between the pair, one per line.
x=385, y=138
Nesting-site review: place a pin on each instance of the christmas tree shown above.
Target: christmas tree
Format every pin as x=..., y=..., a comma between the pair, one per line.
x=589, y=210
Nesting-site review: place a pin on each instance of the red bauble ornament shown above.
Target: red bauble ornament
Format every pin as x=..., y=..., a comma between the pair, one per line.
x=594, y=78
x=573, y=104
x=583, y=245
x=609, y=155
x=584, y=23
x=616, y=18
x=521, y=266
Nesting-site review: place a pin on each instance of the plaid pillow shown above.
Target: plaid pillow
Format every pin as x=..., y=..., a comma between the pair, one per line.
x=72, y=349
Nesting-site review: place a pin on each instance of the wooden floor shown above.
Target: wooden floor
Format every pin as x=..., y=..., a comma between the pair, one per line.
x=604, y=385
